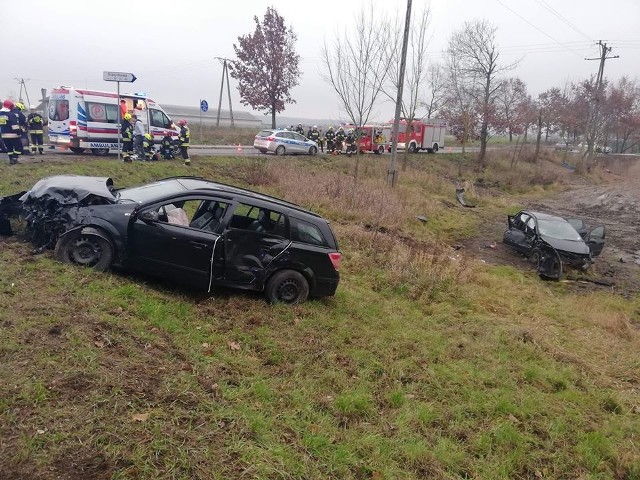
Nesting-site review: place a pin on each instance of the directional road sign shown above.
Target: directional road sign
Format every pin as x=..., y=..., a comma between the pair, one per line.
x=118, y=77
x=204, y=106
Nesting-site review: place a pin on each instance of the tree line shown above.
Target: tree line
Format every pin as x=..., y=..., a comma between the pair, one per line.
x=471, y=87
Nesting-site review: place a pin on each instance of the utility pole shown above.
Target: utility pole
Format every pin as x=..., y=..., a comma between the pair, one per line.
x=225, y=74
x=391, y=173
x=23, y=86
x=595, y=106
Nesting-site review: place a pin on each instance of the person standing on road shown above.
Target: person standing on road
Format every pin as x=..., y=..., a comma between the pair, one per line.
x=10, y=131
x=300, y=129
x=123, y=108
x=138, y=137
x=35, y=124
x=314, y=135
x=331, y=137
x=340, y=137
x=184, y=138
x=22, y=121
x=126, y=130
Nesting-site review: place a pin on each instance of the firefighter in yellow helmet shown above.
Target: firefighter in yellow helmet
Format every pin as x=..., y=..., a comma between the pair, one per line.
x=126, y=130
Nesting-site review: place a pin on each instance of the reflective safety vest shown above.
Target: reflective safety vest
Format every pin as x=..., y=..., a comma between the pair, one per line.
x=184, y=136
x=9, y=124
x=35, y=123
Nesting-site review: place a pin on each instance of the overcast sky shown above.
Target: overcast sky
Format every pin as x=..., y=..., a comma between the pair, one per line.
x=170, y=45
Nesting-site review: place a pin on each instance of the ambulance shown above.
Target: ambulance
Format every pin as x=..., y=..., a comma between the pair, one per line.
x=83, y=120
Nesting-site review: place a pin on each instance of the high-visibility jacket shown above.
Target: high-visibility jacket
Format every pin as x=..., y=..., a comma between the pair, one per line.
x=35, y=123
x=330, y=135
x=184, y=136
x=167, y=141
x=314, y=135
x=126, y=130
x=9, y=124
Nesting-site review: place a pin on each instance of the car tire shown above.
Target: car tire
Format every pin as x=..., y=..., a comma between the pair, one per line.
x=287, y=286
x=263, y=150
x=535, y=257
x=435, y=148
x=77, y=150
x=100, y=152
x=280, y=150
x=313, y=150
x=380, y=150
x=84, y=249
x=413, y=148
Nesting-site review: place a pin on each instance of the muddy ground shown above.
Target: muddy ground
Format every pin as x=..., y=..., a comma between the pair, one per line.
x=614, y=202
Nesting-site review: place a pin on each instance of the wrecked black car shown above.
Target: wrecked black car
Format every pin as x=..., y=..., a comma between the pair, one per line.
x=550, y=241
x=194, y=231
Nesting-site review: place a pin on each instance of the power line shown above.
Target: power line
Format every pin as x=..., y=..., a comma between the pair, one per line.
x=563, y=18
x=534, y=26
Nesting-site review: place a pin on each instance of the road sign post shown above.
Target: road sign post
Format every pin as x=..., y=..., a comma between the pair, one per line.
x=118, y=77
x=204, y=106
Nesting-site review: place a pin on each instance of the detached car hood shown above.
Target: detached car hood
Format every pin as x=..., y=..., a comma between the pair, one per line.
x=571, y=246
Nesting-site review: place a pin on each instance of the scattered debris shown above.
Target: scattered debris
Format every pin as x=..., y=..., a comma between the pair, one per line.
x=460, y=197
x=492, y=246
x=422, y=218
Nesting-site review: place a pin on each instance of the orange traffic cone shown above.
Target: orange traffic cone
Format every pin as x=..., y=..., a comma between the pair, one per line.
x=239, y=148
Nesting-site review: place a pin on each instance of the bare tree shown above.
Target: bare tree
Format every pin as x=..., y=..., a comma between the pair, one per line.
x=436, y=84
x=355, y=67
x=477, y=57
x=416, y=69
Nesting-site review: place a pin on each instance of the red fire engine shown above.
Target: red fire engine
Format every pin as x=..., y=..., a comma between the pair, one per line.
x=425, y=134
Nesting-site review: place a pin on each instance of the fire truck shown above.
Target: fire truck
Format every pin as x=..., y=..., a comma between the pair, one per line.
x=373, y=138
x=427, y=134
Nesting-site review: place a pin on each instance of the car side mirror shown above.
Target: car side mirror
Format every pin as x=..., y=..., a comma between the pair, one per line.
x=149, y=216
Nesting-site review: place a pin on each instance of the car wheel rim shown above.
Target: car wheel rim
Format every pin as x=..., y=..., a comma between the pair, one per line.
x=288, y=291
x=85, y=251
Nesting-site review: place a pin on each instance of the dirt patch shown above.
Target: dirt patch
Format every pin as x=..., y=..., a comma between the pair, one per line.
x=614, y=202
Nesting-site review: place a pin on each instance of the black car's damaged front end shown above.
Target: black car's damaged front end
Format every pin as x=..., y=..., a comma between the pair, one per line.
x=53, y=206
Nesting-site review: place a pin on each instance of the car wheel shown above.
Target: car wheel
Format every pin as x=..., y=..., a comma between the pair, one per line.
x=435, y=148
x=313, y=150
x=84, y=249
x=77, y=150
x=413, y=148
x=263, y=150
x=100, y=152
x=535, y=257
x=380, y=150
x=280, y=150
x=287, y=286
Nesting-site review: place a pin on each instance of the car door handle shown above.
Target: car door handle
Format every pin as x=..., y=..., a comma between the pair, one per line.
x=198, y=244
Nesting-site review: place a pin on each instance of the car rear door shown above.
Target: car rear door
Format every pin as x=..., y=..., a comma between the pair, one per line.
x=595, y=240
x=515, y=233
x=250, y=246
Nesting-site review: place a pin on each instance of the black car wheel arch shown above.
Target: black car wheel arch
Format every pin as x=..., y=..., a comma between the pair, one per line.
x=86, y=247
x=287, y=286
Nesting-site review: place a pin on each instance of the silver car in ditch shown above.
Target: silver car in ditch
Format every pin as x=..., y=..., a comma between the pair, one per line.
x=284, y=142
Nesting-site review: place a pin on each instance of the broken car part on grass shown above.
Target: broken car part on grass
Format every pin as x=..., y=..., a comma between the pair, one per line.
x=187, y=229
x=552, y=242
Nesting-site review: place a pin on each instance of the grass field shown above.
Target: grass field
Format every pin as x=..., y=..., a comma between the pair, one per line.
x=426, y=364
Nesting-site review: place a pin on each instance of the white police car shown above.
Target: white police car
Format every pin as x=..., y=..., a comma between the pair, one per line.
x=284, y=142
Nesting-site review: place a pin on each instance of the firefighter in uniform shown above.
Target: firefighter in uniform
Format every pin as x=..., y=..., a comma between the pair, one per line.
x=147, y=145
x=300, y=129
x=18, y=109
x=10, y=131
x=314, y=135
x=35, y=124
x=330, y=137
x=166, y=146
x=126, y=130
x=184, y=137
x=340, y=136
x=350, y=142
